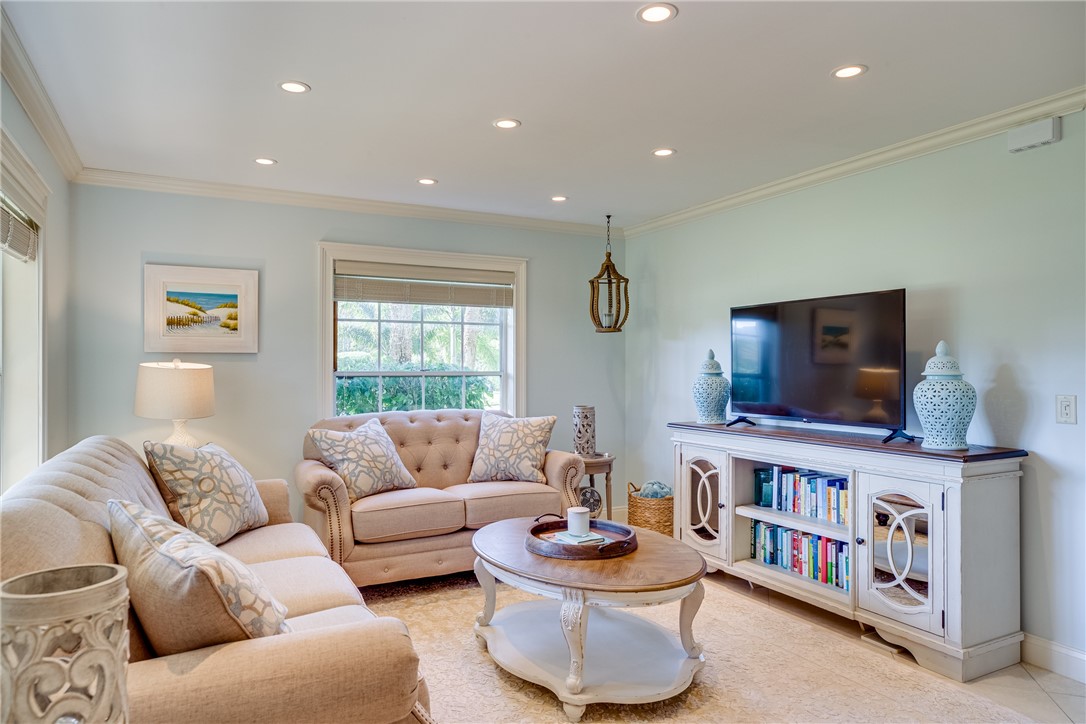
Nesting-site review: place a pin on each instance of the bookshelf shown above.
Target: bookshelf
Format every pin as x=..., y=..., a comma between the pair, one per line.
x=916, y=541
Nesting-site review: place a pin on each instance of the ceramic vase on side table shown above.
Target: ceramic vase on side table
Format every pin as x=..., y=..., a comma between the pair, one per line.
x=712, y=390
x=944, y=402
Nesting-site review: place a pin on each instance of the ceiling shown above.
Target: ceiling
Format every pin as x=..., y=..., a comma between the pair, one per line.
x=402, y=90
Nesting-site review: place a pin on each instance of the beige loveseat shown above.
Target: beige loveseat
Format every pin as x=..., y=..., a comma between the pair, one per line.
x=424, y=531
x=339, y=663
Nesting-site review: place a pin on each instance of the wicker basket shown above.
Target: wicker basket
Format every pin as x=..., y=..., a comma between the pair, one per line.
x=652, y=513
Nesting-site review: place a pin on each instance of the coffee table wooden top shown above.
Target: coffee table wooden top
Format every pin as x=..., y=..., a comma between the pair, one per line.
x=660, y=562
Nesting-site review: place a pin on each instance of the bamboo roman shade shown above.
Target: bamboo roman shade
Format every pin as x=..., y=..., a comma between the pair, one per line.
x=18, y=232
x=357, y=281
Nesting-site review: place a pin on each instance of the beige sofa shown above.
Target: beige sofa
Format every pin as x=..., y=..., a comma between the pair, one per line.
x=340, y=662
x=424, y=531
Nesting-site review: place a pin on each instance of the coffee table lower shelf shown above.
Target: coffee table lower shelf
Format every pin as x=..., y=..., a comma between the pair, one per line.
x=627, y=659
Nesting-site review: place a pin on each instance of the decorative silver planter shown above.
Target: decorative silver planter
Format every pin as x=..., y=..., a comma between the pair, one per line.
x=712, y=391
x=584, y=430
x=944, y=402
x=64, y=645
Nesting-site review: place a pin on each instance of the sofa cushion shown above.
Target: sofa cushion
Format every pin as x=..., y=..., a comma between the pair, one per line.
x=187, y=593
x=485, y=503
x=403, y=514
x=365, y=458
x=331, y=617
x=206, y=490
x=308, y=584
x=511, y=448
x=274, y=542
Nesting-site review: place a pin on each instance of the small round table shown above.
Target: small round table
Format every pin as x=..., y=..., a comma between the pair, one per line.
x=628, y=659
x=596, y=464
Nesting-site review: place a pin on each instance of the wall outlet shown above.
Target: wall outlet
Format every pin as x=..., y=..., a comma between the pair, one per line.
x=1067, y=409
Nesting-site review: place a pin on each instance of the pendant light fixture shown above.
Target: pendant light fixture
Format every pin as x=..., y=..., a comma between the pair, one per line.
x=610, y=301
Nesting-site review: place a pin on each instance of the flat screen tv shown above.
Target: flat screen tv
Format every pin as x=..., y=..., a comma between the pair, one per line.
x=837, y=360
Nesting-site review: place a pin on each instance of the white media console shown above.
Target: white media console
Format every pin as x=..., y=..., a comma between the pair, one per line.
x=926, y=550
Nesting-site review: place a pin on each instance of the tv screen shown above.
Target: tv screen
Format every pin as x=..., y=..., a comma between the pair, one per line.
x=833, y=359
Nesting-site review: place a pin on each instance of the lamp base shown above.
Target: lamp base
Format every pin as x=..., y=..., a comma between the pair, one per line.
x=181, y=435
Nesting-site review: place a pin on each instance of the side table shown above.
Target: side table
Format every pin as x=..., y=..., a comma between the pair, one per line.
x=600, y=463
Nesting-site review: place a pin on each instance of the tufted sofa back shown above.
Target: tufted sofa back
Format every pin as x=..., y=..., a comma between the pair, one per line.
x=436, y=446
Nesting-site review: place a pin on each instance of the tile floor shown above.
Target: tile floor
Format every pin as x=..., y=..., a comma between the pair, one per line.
x=1037, y=693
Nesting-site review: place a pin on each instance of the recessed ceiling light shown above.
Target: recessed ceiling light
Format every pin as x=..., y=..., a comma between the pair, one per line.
x=558, y=198
x=657, y=13
x=266, y=161
x=427, y=181
x=662, y=152
x=506, y=123
x=849, y=71
x=295, y=86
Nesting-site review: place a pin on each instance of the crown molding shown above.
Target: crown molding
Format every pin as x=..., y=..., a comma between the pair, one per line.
x=1060, y=104
x=165, y=184
x=19, y=72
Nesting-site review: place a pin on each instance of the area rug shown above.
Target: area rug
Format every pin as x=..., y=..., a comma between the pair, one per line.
x=762, y=665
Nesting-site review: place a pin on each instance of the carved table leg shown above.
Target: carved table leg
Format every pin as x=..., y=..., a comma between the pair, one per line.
x=574, y=625
x=486, y=580
x=573, y=712
x=687, y=610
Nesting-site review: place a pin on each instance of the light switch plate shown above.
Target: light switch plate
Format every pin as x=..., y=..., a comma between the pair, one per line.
x=1067, y=409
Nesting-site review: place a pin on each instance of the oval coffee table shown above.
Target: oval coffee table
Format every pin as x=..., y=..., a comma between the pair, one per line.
x=625, y=659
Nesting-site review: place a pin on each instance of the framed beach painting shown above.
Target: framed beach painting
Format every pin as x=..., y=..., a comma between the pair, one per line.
x=197, y=309
x=834, y=336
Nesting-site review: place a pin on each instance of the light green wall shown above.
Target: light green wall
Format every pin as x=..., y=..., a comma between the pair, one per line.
x=266, y=401
x=990, y=248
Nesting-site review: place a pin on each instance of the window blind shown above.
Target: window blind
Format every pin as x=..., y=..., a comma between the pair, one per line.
x=415, y=284
x=18, y=232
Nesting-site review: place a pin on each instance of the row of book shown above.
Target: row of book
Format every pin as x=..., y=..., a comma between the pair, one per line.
x=815, y=556
x=805, y=492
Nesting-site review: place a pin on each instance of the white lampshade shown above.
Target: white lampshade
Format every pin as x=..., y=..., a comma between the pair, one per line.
x=177, y=391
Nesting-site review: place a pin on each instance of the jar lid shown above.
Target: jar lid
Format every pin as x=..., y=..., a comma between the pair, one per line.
x=942, y=363
x=711, y=366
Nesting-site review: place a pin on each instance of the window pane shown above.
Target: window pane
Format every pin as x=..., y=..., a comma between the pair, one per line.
x=402, y=393
x=482, y=314
x=482, y=348
x=357, y=346
x=442, y=344
x=443, y=392
x=356, y=395
x=401, y=346
x=482, y=393
x=357, y=310
x=433, y=313
x=405, y=312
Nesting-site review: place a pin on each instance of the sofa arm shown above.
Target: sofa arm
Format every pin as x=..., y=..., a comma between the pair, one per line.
x=564, y=471
x=328, y=509
x=276, y=497
x=357, y=672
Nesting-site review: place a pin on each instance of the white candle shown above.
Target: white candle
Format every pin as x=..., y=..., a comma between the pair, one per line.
x=578, y=520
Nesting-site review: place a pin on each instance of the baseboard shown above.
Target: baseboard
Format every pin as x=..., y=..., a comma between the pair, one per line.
x=1057, y=658
x=619, y=515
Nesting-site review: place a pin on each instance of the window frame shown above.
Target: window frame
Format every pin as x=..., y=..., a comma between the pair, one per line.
x=514, y=388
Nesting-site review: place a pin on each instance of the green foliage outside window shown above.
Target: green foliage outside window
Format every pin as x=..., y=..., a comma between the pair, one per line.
x=356, y=395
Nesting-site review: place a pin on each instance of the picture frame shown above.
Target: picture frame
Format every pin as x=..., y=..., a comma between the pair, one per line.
x=200, y=309
x=834, y=336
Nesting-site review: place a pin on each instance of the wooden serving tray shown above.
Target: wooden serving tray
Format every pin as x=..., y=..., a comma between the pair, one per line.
x=621, y=540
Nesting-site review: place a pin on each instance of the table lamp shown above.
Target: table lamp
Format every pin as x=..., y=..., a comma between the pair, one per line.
x=877, y=385
x=178, y=391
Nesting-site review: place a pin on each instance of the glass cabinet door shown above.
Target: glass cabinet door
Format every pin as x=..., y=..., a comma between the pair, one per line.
x=899, y=551
x=700, y=515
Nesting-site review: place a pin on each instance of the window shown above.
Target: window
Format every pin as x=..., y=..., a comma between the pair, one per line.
x=438, y=332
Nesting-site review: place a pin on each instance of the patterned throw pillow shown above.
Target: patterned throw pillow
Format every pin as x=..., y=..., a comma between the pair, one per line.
x=511, y=448
x=187, y=593
x=206, y=490
x=365, y=458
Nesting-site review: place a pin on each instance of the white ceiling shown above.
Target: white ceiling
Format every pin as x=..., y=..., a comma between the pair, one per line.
x=402, y=90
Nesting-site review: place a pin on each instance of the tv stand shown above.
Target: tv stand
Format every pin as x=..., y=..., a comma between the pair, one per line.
x=922, y=545
x=896, y=434
x=739, y=419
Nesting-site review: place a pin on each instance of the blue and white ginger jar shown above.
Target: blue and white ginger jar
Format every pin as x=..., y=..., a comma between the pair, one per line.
x=712, y=390
x=944, y=402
